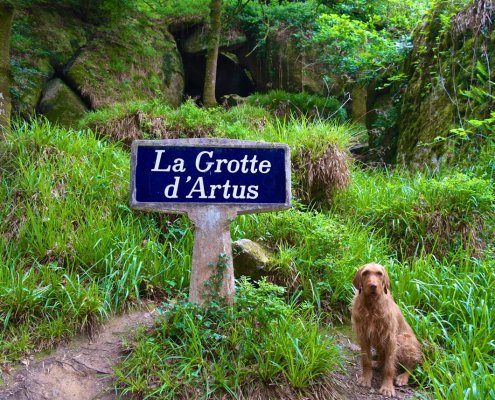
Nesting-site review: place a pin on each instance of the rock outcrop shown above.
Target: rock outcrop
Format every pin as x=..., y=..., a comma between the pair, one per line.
x=137, y=61
x=56, y=53
x=60, y=104
x=196, y=42
x=446, y=63
x=45, y=40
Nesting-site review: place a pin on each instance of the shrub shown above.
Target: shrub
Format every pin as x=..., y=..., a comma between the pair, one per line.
x=354, y=48
x=211, y=352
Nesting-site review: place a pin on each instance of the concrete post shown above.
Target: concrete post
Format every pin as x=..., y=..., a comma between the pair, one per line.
x=210, y=281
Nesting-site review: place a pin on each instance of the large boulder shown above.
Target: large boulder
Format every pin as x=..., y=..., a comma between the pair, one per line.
x=136, y=61
x=60, y=104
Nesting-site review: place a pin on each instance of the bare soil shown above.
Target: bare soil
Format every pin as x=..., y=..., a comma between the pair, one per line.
x=83, y=370
x=347, y=380
x=80, y=370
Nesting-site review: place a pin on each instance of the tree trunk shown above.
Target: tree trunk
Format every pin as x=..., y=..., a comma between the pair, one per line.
x=6, y=18
x=209, y=99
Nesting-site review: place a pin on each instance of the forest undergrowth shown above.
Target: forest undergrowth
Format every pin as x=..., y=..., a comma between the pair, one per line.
x=72, y=253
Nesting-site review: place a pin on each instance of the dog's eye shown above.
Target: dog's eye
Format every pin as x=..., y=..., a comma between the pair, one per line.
x=379, y=273
x=366, y=273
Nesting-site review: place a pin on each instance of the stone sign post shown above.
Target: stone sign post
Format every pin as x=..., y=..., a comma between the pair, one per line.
x=212, y=181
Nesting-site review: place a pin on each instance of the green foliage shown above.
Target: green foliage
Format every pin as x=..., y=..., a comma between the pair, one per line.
x=357, y=39
x=355, y=48
x=394, y=15
x=259, y=20
x=479, y=132
x=225, y=351
x=285, y=104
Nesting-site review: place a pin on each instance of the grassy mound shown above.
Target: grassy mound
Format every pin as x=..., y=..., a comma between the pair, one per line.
x=319, y=147
x=71, y=251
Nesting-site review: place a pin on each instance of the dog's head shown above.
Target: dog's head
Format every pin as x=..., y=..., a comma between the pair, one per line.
x=372, y=279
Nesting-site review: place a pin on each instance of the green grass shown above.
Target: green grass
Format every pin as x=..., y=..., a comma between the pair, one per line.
x=453, y=314
x=245, y=122
x=213, y=352
x=72, y=253
x=424, y=214
x=71, y=250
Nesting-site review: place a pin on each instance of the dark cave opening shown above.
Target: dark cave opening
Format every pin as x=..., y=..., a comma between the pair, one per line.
x=232, y=78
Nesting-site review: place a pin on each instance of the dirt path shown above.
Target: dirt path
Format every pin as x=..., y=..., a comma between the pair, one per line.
x=82, y=370
x=347, y=382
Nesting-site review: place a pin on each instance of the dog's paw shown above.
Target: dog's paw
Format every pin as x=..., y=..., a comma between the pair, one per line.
x=364, y=381
x=402, y=379
x=387, y=390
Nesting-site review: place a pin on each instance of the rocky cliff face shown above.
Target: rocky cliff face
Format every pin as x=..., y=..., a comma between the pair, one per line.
x=448, y=82
x=63, y=66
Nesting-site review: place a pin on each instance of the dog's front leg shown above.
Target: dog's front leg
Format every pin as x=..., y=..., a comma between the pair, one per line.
x=365, y=379
x=389, y=369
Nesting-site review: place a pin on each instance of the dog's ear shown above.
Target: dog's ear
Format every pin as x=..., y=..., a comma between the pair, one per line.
x=357, y=281
x=386, y=281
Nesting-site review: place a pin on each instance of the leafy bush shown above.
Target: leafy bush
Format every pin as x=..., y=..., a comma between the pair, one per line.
x=309, y=105
x=400, y=16
x=355, y=48
x=211, y=352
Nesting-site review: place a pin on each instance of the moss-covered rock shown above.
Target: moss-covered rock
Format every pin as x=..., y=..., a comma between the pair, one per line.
x=60, y=104
x=43, y=40
x=250, y=259
x=445, y=65
x=196, y=42
x=134, y=61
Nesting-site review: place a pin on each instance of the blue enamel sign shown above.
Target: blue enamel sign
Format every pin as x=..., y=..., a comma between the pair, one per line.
x=209, y=171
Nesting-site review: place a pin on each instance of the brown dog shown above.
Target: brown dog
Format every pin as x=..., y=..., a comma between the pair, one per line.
x=379, y=323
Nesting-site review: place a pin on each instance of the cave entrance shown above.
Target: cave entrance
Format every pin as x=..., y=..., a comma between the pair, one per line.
x=232, y=78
